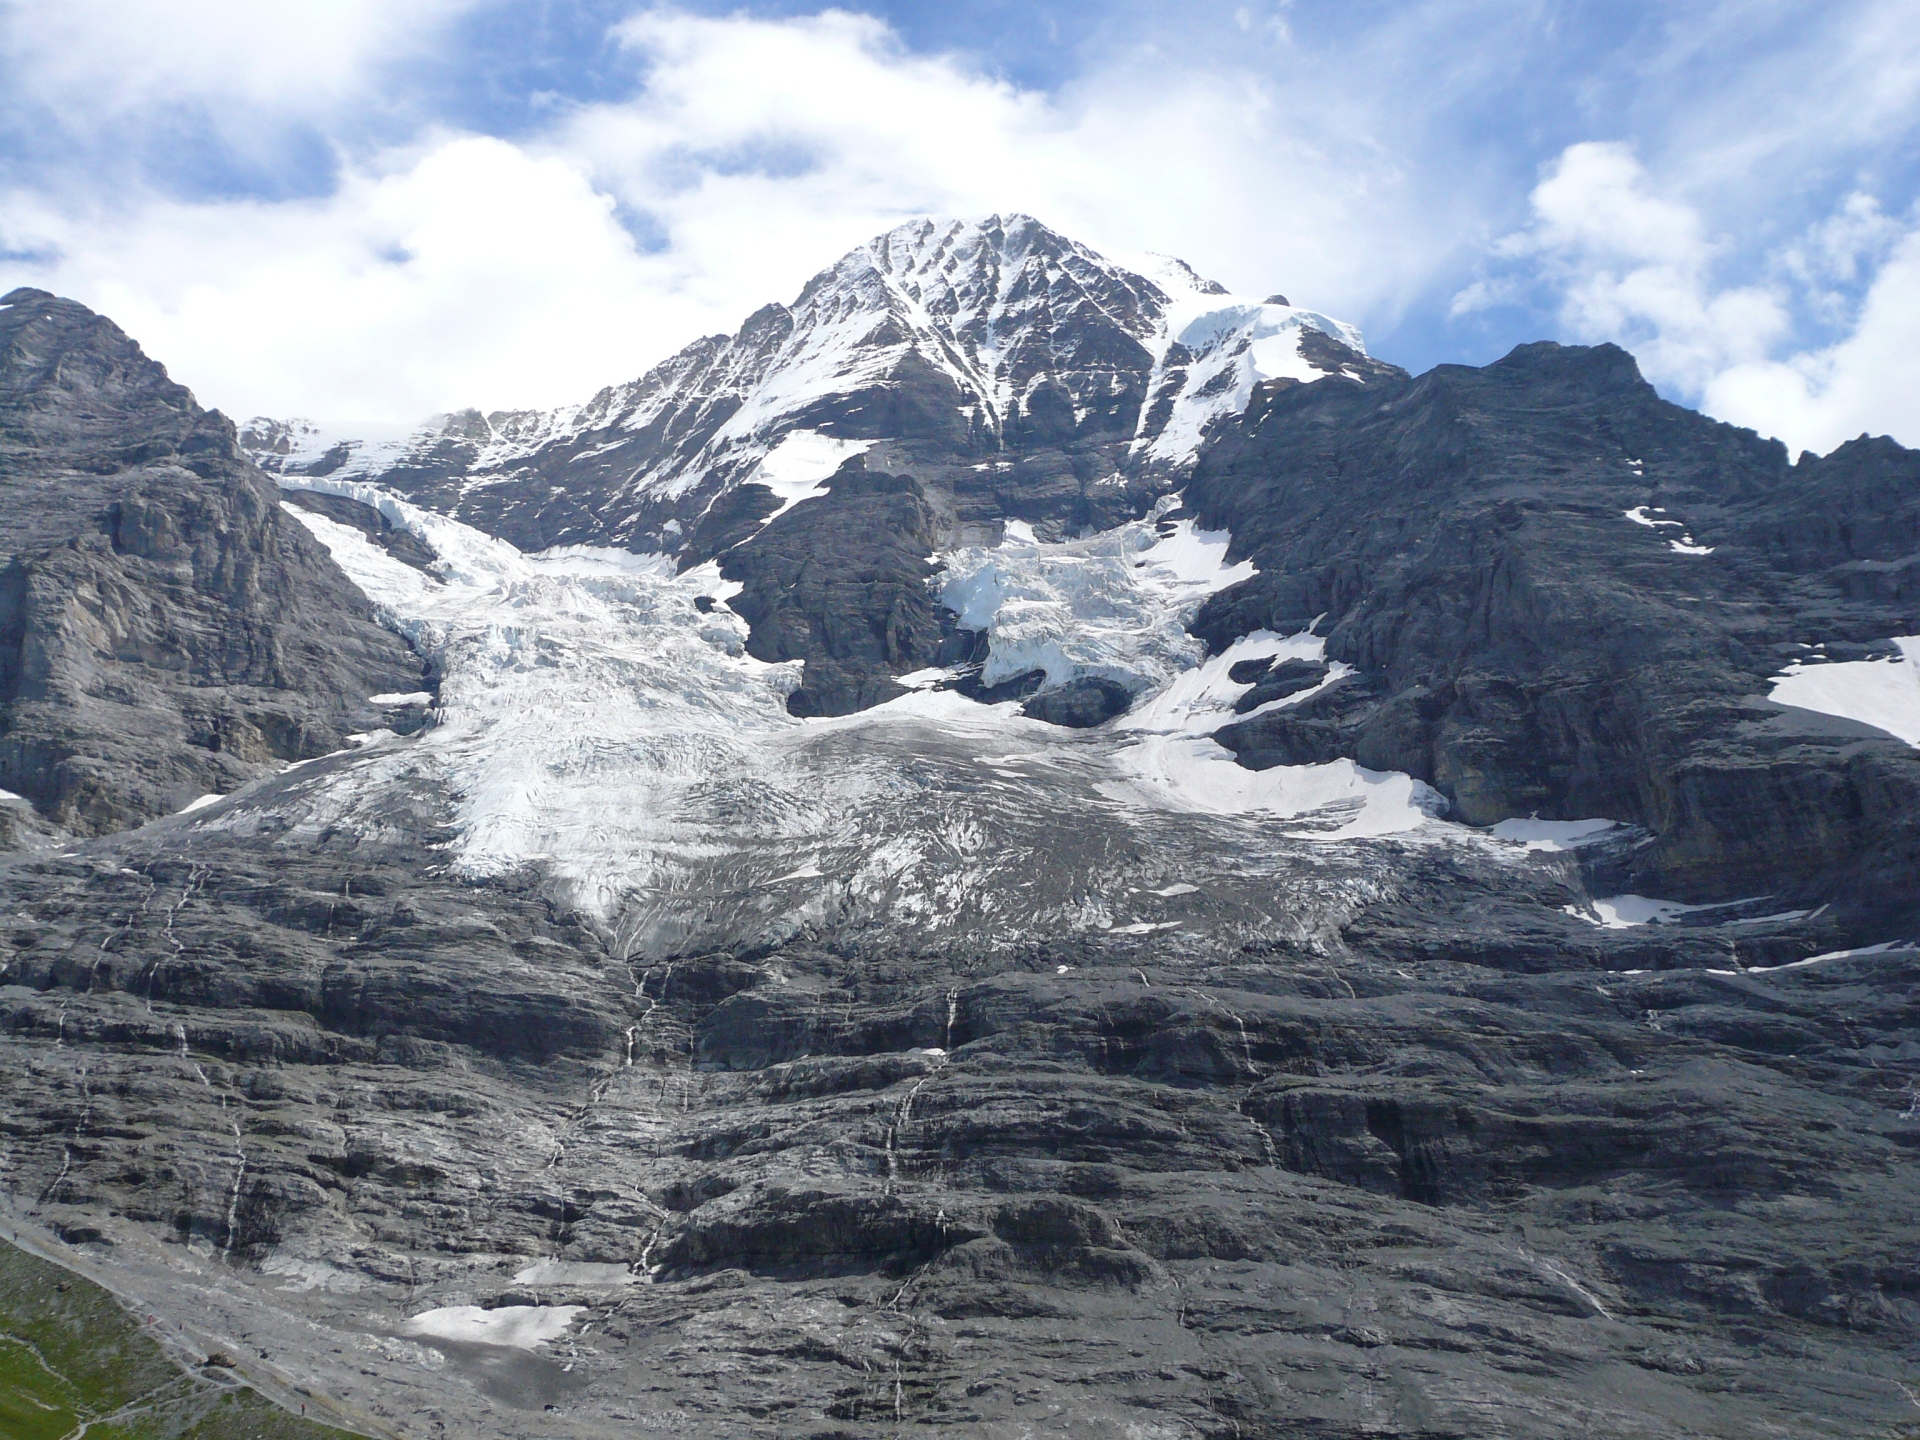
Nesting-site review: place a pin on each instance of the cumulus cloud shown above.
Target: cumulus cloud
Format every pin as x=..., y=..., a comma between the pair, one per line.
x=1634, y=267
x=825, y=129
x=1865, y=384
x=472, y=270
x=92, y=61
x=1627, y=264
x=751, y=152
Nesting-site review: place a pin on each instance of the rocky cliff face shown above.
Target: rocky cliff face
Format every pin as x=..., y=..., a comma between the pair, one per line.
x=165, y=631
x=1561, y=596
x=1400, y=927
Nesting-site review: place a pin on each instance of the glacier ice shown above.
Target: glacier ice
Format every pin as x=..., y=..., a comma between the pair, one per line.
x=594, y=721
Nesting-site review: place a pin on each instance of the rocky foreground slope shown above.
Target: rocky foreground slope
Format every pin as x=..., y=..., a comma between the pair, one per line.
x=1391, y=928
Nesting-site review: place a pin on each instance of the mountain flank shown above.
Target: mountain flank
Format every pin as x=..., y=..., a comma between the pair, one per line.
x=1062, y=855
x=166, y=632
x=1561, y=596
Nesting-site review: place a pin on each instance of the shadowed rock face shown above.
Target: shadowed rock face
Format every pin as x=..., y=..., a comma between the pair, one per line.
x=1463, y=540
x=165, y=631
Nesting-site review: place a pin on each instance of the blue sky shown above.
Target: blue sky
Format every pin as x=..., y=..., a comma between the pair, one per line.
x=367, y=210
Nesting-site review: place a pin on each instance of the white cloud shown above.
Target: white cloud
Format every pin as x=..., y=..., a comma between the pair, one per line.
x=1868, y=383
x=1629, y=265
x=750, y=152
x=474, y=271
x=92, y=61
x=821, y=130
x=1634, y=267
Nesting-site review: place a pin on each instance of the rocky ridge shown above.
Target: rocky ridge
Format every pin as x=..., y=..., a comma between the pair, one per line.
x=166, y=632
x=1558, y=595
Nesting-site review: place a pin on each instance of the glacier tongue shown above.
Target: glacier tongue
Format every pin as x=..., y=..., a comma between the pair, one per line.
x=595, y=721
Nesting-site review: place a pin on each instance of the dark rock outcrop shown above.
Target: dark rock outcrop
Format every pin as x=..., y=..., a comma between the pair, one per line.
x=1080, y=704
x=840, y=582
x=165, y=630
x=1464, y=540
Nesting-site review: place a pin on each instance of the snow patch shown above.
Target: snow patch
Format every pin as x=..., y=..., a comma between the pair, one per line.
x=412, y=697
x=1198, y=775
x=1882, y=693
x=524, y=1327
x=1881, y=949
x=199, y=804
x=1644, y=515
x=573, y=1272
x=304, y=1275
x=800, y=465
x=1552, y=835
x=1176, y=762
x=1619, y=912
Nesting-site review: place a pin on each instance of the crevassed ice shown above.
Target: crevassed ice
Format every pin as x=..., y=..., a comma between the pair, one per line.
x=594, y=720
x=1114, y=605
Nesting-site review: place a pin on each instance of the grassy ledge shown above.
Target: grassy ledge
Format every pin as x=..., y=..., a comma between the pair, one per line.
x=74, y=1363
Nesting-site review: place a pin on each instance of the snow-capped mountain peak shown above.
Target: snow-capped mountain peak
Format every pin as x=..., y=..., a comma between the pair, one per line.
x=947, y=343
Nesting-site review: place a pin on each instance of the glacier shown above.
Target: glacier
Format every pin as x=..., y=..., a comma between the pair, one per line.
x=599, y=719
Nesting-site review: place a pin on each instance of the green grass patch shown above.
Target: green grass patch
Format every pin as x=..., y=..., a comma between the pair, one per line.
x=71, y=1355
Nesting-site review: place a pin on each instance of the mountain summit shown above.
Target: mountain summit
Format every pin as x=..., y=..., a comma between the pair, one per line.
x=989, y=355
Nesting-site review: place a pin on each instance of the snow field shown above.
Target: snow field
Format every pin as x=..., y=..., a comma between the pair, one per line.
x=1882, y=693
x=524, y=1327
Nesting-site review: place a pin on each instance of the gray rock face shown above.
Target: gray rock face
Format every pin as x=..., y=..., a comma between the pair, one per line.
x=1467, y=543
x=1383, y=1182
x=1258, y=1132
x=165, y=631
x=842, y=583
x=1080, y=704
